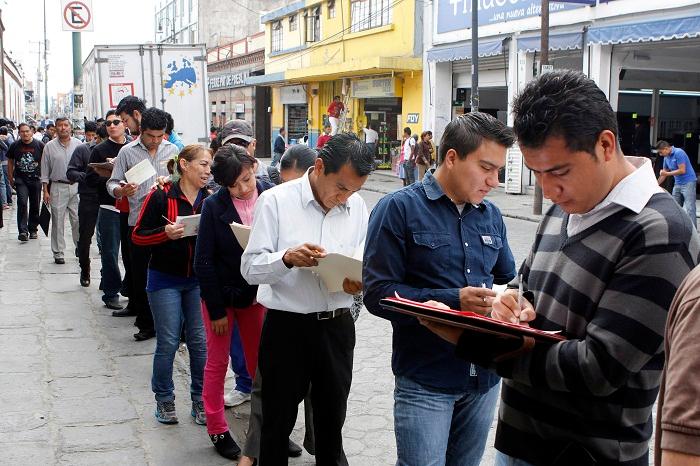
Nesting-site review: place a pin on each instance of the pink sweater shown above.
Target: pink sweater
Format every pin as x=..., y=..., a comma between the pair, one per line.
x=245, y=208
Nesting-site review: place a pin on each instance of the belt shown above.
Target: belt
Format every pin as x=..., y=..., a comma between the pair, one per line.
x=61, y=181
x=331, y=314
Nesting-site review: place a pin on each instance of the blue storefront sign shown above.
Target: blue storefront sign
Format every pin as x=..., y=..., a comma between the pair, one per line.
x=454, y=15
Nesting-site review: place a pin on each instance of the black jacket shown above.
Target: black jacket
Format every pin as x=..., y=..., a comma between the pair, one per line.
x=78, y=167
x=175, y=257
x=218, y=257
x=100, y=153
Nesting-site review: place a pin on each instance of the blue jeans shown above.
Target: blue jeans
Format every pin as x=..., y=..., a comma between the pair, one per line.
x=3, y=190
x=438, y=428
x=504, y=460
x=171, y=308
x=684, y=194
x=108, y=229
x=8, y=187
x=244, y=384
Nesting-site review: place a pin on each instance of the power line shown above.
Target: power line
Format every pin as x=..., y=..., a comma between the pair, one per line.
x=245, y=7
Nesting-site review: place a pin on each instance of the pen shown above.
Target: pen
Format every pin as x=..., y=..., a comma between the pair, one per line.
x=520, y=295
x=168, y=220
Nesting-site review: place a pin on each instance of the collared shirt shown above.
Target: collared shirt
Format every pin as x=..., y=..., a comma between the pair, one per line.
x=285, y=217
x=54, y=162
x=424, y=249
x=130, y=155
x=674, y=159
x=632, y=192
x=371, y=135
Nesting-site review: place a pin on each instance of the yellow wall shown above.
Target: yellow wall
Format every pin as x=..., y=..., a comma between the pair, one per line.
x=277, y=110
x=412, y=101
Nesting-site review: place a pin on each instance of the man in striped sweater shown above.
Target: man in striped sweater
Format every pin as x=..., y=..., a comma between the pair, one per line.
x=606, y=263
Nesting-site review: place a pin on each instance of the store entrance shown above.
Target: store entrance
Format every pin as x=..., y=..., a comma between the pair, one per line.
x=384, y=116
x=296, y=122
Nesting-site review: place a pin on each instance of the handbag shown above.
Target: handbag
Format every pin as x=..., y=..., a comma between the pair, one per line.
x=44, y=218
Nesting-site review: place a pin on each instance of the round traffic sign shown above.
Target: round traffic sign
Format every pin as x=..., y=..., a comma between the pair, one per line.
x=77, y=15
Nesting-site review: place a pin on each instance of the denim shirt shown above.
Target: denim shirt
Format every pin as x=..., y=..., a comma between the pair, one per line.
x=421, y=247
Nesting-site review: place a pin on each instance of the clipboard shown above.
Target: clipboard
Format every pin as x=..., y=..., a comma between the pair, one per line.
x=470, y=321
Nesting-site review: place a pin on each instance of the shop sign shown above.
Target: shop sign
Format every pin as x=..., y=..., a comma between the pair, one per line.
x=228, y=80
x=514, y=170
x=454, y=15
x=372, y=88
x=412, y=118
x=293, y=95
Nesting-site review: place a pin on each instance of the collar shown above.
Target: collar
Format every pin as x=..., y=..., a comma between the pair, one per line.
x=434, y=191
x=307, y=194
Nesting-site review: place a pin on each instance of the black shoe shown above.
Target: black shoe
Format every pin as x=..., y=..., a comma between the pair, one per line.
x=126, y=312
x=114, y=305
x=293, y=450
x=84, y=280
x=23, y=237
x=59, y=260
x=33, y=235
x=144, y=335
x=76, y=252
x=225, y=445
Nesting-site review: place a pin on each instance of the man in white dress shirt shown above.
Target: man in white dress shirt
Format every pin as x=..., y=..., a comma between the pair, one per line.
x=309, y=335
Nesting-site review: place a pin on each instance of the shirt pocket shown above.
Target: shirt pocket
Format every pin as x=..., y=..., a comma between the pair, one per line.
x=491, y=245
x=431, y=240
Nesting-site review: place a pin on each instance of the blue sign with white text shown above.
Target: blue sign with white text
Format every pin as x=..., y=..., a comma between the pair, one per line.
x=454, y=15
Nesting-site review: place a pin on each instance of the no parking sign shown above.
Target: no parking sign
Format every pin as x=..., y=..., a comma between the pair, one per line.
x=77, y=15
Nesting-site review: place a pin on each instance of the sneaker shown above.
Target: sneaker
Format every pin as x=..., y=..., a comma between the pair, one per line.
x=23, y=237
x=165, y=412
x=200, y=417
x=33, y=235
x=235, y=398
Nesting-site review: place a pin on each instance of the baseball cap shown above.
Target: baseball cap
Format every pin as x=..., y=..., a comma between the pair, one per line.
x=236, y=129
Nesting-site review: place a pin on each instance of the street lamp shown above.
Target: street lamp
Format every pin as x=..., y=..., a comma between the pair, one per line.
x=172, y=27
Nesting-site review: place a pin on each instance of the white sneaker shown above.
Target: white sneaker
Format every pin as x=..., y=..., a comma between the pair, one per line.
x=235, y=398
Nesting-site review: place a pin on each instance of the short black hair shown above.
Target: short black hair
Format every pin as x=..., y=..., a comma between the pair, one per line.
x=101, y=131
x=154, y=118
x=467, y=132
x=110, y=113
x=662, y=145
x=60, y=119
x=129, y=104
x=298, y=157
x=407, y=130
x=564, y=104
x=50, y=125
x=19, y=126
x=229, y=162
x=3, y=130
x=90, y=126
x=344, y=148
x=171, y=124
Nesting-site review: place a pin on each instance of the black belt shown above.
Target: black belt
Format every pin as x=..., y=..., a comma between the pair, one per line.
x=331, y=314
x=62, y=181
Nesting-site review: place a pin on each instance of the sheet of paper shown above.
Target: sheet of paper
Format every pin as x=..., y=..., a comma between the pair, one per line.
x=191, y=223
x=241, y=232
x=334, y=268
x=141, y=172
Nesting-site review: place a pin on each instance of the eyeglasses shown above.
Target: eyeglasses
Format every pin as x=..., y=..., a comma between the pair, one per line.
x=113, y=122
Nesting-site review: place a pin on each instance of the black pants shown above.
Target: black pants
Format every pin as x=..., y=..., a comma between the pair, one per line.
x=297, y=350
x=126, y=255
x=28, y=190
x=88, y=207
x=138, y=300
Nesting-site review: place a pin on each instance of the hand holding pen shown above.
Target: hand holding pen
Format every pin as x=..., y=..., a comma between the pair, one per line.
x=511, y=306
x=174, y=230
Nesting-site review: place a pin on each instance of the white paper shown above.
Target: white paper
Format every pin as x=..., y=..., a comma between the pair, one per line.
x=141, y=172
x=191, y=223
x=241, y=232
x=335, y=268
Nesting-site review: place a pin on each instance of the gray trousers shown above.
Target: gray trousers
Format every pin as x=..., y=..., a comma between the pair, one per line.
x=64, y=198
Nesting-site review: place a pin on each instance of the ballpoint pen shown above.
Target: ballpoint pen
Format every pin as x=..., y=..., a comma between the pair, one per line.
x=520, y=297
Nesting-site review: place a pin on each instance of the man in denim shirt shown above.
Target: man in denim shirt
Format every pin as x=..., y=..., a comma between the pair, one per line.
x=677, y=164
x=440, y=240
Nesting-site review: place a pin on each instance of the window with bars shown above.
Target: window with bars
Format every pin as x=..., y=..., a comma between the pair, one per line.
x=293, y=23
x=276, y=44
x=368, y=14
x=313, y=24
x=331, y=9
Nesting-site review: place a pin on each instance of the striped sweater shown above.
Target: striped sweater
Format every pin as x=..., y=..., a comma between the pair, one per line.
x=608, y=289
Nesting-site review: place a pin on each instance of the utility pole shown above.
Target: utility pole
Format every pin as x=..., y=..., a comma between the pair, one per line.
x=544, y=60
x=46, y=68
x=77, y=56
x=474, y=100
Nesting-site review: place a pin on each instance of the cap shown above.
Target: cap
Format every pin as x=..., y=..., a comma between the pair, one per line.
x=236, y=129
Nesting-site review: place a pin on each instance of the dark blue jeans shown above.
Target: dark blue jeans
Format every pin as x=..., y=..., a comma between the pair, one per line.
x=28, y=191
x=108, y=227
x=172, y=308
x=8, y=188
x=244, y=383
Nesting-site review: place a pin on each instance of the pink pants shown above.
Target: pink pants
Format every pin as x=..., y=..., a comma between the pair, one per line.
x=250, y=322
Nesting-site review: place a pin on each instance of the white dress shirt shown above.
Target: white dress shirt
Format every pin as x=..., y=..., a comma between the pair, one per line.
x=287, y=216
x=632, y=192
x=371, y=136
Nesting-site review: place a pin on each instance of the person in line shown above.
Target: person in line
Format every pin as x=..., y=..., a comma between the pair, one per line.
x=227, y=298
x=24, y=171
x=406, y=165
x=607, y=260
x=172, y=287
x=60, y=193
x=150, y=146
x=324, y=138
x=443, y=406
x=291, y=231
x=90, y=131
x=5, y=188
x=335, y=110
x=677, y=164
x=49, y=134
x=279, y=147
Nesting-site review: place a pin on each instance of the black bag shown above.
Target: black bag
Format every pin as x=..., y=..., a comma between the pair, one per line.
x=44, y=218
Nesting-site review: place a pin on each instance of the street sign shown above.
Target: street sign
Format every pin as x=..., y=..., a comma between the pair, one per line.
x=77, y=15
x=514, y=170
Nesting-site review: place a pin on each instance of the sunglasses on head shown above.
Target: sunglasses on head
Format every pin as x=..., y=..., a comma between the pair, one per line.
x=112, y=122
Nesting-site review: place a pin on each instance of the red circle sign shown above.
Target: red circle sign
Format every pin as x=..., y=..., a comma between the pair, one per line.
x=77, y=15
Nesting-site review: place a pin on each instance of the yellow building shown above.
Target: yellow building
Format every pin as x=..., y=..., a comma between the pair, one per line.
x=368, y=52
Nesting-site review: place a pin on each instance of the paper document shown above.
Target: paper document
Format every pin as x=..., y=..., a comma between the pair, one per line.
x=241, y=232
x=191, y=223
x=141, y=172
x=334, y=268
x=102, y=169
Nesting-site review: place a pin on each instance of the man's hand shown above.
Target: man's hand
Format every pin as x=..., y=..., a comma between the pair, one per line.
x=474, y=299
x=126, y=190
x=507, y=309
x=351, y=286
x=306, y=255
x=175, y=230
x=664, y=172
x=220, y=326
x=446, y=332
x=47, y=197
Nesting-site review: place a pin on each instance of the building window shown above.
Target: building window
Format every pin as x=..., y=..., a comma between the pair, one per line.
x=276, y=36
x=293, y=23
x=368, y=14
x=331, y=9
x=313, y=24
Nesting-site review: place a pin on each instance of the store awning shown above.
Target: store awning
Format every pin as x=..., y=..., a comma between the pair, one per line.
x=567, y=41
x=652, y=31
x=463, y=50
x=265, y=79
x=366, y=66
